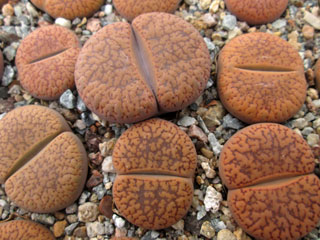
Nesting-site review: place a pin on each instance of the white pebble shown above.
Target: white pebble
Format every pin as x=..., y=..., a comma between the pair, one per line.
x=63, y=22
x=107, y=165
x=212, y=200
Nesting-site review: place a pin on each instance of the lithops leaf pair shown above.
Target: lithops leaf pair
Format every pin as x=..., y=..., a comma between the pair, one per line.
x=133, y=8
x=261, y=78
x=69, y=9
x=42, y=163
x=46, y=61
x=155, y=162
x=24, y=230
x=257, y=11
x=127, y=73
x=273, y=193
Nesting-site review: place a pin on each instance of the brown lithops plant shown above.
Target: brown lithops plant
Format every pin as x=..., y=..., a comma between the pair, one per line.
x=69, y=9
x=133, y=8
x=129, y=73
x=46, y=61
x=273, y=193
x=261, y=78
x=1, y=65
x=24, y=230
x=155, y=162
x=43, y=165
x=257, y=12
x=317, y=72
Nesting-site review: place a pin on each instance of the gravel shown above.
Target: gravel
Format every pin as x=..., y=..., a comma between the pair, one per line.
x=206, y=120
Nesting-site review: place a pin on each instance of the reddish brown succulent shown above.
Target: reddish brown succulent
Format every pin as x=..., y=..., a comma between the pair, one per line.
x=317, y=71
x=24, y=230
x=129, y=73
x=155, y=162
x=261, y=78
x=133, y=8
x=43, y=164
x=69, y=9
x=257, y=11
x=46, y=61
x=1, y=65
x=273, y=193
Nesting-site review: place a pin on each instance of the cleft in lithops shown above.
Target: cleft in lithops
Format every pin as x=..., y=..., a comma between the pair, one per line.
x=24, y=230
x=155, y=162
x=268, y=169
x=41, y=158
x=128, y=73
x=46, y=61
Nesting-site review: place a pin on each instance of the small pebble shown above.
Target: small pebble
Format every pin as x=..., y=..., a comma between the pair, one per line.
x=88, y=212
x=212, y=200
x=67, y=99
x=187, y=121
x=58, y=228
x=207, y=230
x=107, y=165
x=229, y=22
x=63, y=22
x=226, y=234
x=94, y=229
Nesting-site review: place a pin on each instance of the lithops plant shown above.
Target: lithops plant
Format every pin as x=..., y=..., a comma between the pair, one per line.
x=46, y=61
x=261, y=78
x=69, y=9
x=128, y=73
x=133, y=8
x=155, y=162
x=273, y=193
x=43, y=164
x=1, y=65
x=24, y=230
x=257, y=12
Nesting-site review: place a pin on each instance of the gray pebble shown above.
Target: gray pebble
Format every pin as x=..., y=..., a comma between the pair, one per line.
x=8, y=75
x=32, y=11
x=84, y=196
x=210, y=44
x=109, y=228
x=300, y=123
x=229, y=22
x=307, y=130
x=280, y=23
x=231, y=122
x=150, y=235
x=100, y=190
x=313, y=139
x=87, y=119
x=67, y=99
x=72, y=208
x=187, y=121
x=215, y=145
x=80, y=105
x=9, y=52
x=69, y=229
x=94, y=229
x=43, y=218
